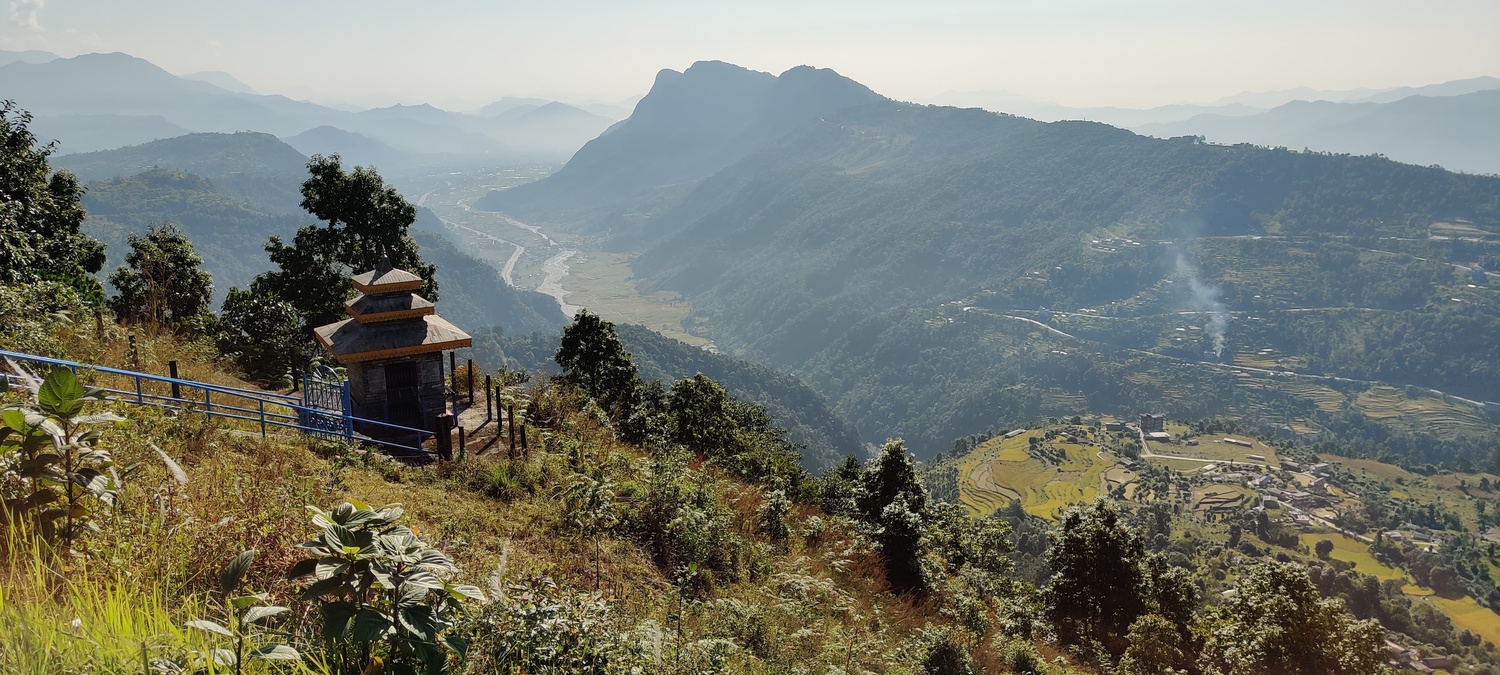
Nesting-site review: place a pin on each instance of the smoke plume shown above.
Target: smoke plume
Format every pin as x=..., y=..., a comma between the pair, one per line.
x=1205, y=298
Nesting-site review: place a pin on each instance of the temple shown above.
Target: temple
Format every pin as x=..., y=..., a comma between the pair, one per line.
x=392, y=347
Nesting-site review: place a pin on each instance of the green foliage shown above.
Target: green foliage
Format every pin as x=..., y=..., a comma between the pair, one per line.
x=593, y=360
x=40, y=214
x=1323, y=548
x=590, y=510
x=535, y=627
x=243, y=630
x=1103, y=580
x=1277, y=623
x=1155, y=647
x=365, y=221
x=773, y=516
x=700, y=411
x=381, y=591
x=55, y=455
x=33, y=312
x=162, y=281
x=894, y=502
x=264, y=335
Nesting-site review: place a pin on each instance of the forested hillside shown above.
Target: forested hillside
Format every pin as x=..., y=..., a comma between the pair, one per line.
x=825, y=436
x=1169, y=266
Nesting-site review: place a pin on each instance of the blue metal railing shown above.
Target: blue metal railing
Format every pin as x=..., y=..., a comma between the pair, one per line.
x=266, y=409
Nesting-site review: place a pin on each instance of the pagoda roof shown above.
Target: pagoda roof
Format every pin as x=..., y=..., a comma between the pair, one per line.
x=388, y=307
x=352, y=342
x=386, y=278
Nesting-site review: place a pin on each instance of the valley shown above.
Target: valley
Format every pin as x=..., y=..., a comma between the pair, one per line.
x=577, y=271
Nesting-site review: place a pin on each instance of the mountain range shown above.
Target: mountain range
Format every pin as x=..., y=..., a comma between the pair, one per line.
x=104, y=101
x=1450, y=123
x=895, y=256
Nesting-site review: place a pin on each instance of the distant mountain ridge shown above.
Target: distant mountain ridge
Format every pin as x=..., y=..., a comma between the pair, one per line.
x=691, y=124
x=1459, y=132
x=141, y=101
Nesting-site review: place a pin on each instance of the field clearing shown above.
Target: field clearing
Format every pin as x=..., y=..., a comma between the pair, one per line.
x=1220, y=497
x=1350, y=550
x=1180, y=465
x=1468, y=615
x=1002, y=469
x=604, y=283
x=1370, y=466
x=1213, y=447
x=1431, y=414
x=1326, y=398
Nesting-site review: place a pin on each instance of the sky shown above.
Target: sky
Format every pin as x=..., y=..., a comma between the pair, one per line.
x=461, y=54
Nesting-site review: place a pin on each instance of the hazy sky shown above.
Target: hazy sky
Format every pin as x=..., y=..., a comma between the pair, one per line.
x=1101, y=52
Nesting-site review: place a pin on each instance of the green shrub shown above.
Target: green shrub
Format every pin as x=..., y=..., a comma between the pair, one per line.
x=382, y=591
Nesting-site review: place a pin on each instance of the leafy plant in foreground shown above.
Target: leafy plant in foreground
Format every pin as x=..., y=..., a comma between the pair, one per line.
x=244, y=614
x=50, y=447
x=385, y=595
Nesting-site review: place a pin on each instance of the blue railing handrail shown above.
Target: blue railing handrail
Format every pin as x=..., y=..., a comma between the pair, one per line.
x=258, y=414
x=282, y=399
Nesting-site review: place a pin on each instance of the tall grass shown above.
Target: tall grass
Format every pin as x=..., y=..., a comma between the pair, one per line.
x=57, y=621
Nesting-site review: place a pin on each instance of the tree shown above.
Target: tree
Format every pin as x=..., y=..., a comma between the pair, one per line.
x=162, y=281
x=1323, y=548
x=593, y=359
x=891, y=475
x=1155, y=647
x=365, y=221
x=700, y=409
x=591, y=510
x=41, y=214
x=894, y=501
x=1097, y=585
x=1276, y=622
x=264, y=335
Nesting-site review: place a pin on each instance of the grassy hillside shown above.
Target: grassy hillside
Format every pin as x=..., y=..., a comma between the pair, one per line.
x=743, y=600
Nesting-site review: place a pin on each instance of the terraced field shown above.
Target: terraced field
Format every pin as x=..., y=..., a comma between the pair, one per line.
x=1001, y=470
x=1428, y=413
x=1326, y=398
x=1220, y=498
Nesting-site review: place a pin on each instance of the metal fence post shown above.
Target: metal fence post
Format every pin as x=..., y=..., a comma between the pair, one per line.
x=453, y=372
x=463, y=443
x=471, y=381
x=347, y=403
x=262, y=417
x=489, y=401
x=176, y=387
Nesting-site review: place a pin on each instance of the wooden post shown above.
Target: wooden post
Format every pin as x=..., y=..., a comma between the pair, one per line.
x=445, y=436
x=176, y=388
x=489, y=401
x=524, y=447
x=471, y=381
x=463, y=443
x=513, y=431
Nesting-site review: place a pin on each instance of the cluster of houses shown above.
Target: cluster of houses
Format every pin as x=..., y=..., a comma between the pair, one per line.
x=1113, y=244
x=1398, y=656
